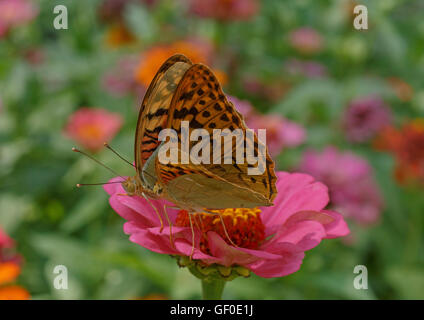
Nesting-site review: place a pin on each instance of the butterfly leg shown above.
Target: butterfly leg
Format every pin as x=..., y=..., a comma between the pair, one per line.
x=165, y=206
x=156, y=210
x=225, y=229
x=192, y=236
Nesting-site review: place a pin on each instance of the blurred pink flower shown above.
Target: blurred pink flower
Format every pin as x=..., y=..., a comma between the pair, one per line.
x=5, y=241
x=272, y=90
x=280, y=132
x=120, y=79
x=365, y=117
x=7, y=250
x=310, y=69
x=306, y=40
x=270, y=241
x=225, y=9
x=14, y=13
x=92, y=127
x=242, y=106
x=34, y=56
x=353, y=190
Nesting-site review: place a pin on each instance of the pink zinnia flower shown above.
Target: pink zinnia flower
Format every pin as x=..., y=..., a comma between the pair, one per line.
x=280, y=132
x=270, y=241
x=365, y=117
x=353, y=190
x=92, y=127
x=225, y=9
x=14, y=13
x=306, y=40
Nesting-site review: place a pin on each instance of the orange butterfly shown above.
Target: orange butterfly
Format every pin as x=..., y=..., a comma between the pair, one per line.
x=185, y=92
x=182, y=91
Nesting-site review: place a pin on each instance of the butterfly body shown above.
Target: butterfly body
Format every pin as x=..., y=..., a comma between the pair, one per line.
x=182, y=91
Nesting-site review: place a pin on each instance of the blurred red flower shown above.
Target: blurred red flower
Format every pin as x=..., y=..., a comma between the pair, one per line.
x=225, y=10
x=401, y=88
x=92, y=127
x=9, y=271
x=113, y=10
x=407, y=145
x=119, y=35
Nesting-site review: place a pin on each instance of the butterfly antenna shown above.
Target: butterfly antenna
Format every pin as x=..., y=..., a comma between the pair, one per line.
x=97, y=161
x=110, y=148
x=79, y=185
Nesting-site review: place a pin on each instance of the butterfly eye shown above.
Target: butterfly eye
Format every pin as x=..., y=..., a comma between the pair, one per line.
x=171, y=86
x=129, y=186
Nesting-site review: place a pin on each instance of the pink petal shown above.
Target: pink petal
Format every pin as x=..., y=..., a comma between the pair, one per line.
x=114, y=187
x=304, y=234
x=278, y=268
x=185, y=248
x=127, y=213
x=229, y=255
x=152, y=242
x=296, y=192
x=337, y=228
x=144, y=208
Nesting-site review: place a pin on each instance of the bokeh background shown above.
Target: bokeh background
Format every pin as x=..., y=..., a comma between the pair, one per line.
x=341, y=104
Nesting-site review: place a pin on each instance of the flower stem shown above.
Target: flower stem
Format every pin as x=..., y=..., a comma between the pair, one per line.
x=212, y=289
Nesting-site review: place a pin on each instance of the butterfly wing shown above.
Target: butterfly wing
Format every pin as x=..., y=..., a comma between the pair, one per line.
x=200, y=100
x=155, y=106
x=202, y=190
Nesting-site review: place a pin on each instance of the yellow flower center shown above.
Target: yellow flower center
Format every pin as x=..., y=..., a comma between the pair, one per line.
x=244, y=226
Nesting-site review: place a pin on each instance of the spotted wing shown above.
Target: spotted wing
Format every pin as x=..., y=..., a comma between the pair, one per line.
x=155, y=106
x=200, y=100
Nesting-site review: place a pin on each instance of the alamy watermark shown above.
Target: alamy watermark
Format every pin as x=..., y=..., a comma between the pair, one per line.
x=61, y=20
x=215, y=149
x=361, y=20
x=360, y=282
x=60, y=282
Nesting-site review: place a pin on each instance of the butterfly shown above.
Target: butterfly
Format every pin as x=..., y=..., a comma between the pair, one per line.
x=183, y=91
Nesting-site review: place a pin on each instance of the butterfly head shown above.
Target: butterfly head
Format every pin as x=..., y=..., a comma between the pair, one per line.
x=132, y=186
